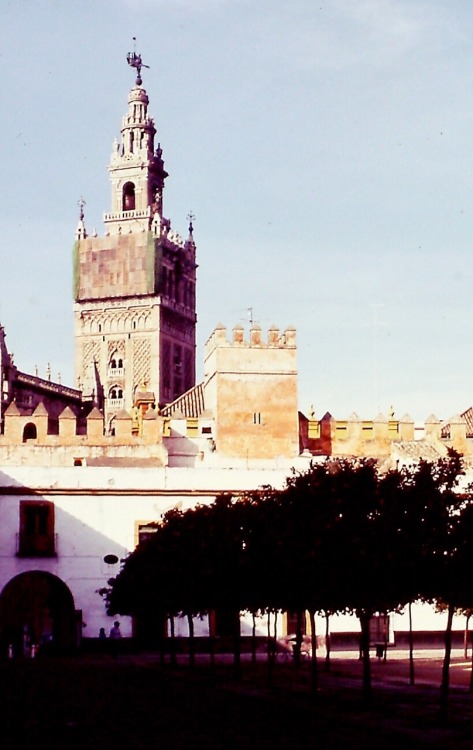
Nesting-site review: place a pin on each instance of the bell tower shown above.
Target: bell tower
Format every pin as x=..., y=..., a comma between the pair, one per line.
x=134, y=288
x=137, y=171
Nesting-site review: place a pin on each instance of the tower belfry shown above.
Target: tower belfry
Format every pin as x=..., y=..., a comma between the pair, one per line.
x=136, y=169
x=134, y=288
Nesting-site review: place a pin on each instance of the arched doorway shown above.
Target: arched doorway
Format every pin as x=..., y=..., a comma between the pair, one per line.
x=37, y=608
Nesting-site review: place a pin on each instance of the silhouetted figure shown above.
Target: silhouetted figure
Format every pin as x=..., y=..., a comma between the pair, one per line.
x=115, y=635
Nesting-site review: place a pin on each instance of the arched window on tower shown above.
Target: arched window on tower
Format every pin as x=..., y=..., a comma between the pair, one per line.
x=128, y=196
x=115, y=366
x=115, y=397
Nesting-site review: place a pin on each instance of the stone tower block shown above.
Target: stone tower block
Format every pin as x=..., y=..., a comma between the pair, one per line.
x=251, y=388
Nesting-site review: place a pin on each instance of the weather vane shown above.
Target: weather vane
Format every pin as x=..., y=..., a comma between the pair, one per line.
x=81, y=204
x=135, y=61
x=190, y=218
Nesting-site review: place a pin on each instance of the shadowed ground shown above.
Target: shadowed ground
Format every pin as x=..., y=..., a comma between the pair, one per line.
x=134, y=702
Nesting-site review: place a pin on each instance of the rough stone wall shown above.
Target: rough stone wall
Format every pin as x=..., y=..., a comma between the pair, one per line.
x=114, y=266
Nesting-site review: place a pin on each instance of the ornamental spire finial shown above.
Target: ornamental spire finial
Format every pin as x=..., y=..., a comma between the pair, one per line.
x=81, y=232
x=135, y=61
x=81, y=204
x=190, y=218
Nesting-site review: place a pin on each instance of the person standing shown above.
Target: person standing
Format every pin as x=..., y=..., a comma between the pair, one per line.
x=115, y=635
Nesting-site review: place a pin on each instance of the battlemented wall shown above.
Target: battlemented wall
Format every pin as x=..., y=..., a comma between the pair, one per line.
x=384, y=437
x=251, y=388
x=37, y=440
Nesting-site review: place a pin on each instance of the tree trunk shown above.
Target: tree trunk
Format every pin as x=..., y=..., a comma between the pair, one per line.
x=211, y=644
x=237, y=647
x=313, y=638
x=443, y=708
x=253, y=639
x=271, y=649
x=327, y=642
x=172, y=649
x=163, y=644
x=365, y=619
x=471, y=672
x=268, y=635
x=298, y=641
x=190, y=623
x=411, y=648
x=466, y=637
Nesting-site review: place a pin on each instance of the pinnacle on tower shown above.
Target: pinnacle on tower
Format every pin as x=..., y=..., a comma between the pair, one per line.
x=81, y=232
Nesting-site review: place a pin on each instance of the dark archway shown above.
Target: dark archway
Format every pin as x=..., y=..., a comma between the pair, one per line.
x=128, y=203
x=29, y=433
x=37, y=608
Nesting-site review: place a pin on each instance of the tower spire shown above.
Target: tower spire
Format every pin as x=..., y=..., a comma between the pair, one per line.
x=135, y=61
x=81, y=232
x=136, y=169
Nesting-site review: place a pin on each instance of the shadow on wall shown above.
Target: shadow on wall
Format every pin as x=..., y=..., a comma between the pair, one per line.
x=52, y=565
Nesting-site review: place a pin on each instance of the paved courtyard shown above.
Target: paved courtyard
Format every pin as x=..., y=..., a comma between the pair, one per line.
x=134, y=702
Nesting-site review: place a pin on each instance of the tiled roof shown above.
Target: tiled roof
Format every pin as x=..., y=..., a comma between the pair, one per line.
x=416, y=450
x=190, y=404
x=467, y=416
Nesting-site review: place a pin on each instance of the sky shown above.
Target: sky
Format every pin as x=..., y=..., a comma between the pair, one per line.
x=325, y=149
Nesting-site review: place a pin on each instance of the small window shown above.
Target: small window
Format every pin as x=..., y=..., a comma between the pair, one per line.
x=36, y=536
x=146, y=531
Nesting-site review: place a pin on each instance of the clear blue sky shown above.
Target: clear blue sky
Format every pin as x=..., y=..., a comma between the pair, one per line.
x=325, y=148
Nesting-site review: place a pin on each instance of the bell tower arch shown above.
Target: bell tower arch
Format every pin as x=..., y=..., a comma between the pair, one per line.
x=134, y=288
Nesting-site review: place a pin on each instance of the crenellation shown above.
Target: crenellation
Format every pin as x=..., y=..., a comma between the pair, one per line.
x=289, y=337
x=432, y=428
x=273, y=336
x=238, y=335
x=274, y=339
x=255, y=336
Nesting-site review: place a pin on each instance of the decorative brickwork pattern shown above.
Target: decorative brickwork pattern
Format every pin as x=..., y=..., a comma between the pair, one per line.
x=141, y=361
x=90, y=352
x=116, y=346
